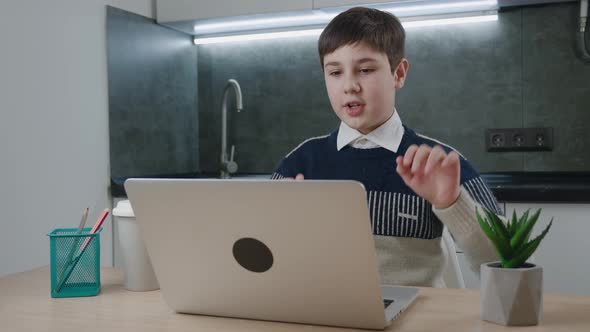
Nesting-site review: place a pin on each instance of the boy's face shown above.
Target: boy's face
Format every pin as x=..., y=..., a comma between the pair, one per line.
x=361, y=85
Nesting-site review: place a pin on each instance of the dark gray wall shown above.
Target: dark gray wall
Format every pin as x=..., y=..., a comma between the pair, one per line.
x=284, y=100
x=152, y=77
x=519, y=71
x=556, y=88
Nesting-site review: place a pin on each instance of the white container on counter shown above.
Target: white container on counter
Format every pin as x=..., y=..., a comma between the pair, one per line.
x=137, y=267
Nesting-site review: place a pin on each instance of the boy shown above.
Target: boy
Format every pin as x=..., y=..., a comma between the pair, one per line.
x=414, y=184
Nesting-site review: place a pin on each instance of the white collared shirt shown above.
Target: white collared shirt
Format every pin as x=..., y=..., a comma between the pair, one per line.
x=388, y=135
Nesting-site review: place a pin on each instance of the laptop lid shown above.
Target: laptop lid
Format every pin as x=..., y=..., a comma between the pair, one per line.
x=293, y=251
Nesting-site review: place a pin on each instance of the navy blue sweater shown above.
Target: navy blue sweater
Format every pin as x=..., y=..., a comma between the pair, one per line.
x=395, y=209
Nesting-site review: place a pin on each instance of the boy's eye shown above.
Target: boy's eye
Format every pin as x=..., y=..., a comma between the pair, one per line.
x=334, y=73
x=367, y=70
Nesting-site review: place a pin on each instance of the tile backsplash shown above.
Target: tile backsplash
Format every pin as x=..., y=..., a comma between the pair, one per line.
x=521, y=71
x=152, y=77
x=518, y=72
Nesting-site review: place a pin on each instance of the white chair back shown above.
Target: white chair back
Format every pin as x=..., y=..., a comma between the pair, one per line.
x=452, y=275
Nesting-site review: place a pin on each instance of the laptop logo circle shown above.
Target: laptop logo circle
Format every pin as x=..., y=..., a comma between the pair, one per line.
x=253, y=255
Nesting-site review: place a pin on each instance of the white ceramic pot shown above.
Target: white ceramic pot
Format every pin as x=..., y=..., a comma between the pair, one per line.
x=511, y=296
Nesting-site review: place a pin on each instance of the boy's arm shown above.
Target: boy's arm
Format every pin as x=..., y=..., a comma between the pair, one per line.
x=462, y=224
x=287, y=169
x=278, y=176
x=435, y=175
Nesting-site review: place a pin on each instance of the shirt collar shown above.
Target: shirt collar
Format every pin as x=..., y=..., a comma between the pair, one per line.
x=388, y=135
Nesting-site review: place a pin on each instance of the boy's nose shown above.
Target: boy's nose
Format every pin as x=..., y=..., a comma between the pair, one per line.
x=352, y=86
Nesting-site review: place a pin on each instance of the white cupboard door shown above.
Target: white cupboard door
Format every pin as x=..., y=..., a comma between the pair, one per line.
x=338, y=3
x=183, y=10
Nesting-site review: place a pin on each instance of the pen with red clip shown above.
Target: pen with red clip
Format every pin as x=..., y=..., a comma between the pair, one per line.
x=94, y=229
x=83, y=247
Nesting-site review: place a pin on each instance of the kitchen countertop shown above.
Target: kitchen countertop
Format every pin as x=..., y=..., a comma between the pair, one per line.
x=556, y=187
x=564, y=187
x=118, y=190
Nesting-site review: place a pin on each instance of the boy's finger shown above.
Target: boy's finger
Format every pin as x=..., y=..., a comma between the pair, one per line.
x=437, y=155
x=404, y=173
x=420, y=158
x=401, y=168
x=451, y=160
x=409, y=156
x=399, y=161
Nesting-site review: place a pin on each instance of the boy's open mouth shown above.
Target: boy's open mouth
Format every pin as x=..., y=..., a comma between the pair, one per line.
x=354, y=108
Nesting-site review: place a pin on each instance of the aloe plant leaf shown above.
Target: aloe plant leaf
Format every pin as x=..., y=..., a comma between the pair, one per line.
x=523, y=218
x=527, y=250
x=484, y=225
x=502, y=247
x=524, y=230
x=503, y=262
x=511, y=226
x=498, y=226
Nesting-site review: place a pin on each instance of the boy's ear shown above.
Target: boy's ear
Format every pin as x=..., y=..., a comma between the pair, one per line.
x=400, y=73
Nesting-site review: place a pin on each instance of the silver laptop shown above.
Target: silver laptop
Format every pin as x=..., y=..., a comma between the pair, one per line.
x=291, y=251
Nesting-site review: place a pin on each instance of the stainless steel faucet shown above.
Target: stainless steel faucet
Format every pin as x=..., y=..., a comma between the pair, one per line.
x=228, y=166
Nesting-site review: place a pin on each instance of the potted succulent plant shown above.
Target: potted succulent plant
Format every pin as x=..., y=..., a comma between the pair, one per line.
x=512, y=289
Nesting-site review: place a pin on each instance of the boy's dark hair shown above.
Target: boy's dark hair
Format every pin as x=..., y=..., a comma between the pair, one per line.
x=378, y=29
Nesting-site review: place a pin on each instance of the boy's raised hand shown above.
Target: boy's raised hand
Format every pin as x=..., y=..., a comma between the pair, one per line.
x=431, y=173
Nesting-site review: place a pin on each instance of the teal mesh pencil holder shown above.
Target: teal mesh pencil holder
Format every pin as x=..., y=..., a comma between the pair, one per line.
x=74, y=262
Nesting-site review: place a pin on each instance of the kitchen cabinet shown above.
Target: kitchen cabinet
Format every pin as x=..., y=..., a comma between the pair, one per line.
x=183, y=10
x=337, y=3
x=563, y=253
